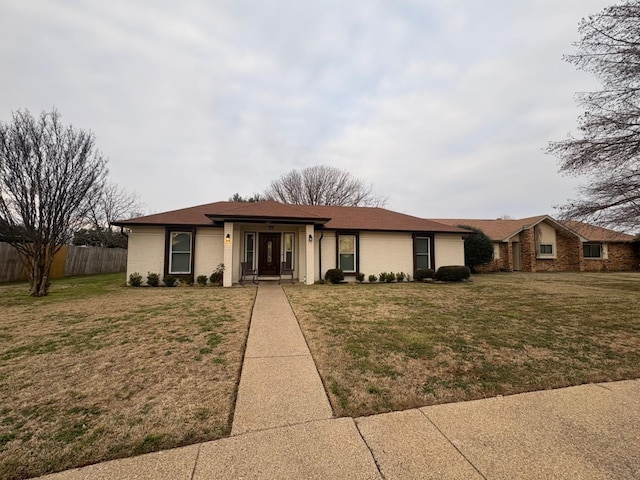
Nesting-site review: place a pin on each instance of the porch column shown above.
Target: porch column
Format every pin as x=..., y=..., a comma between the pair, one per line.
x=310, y=254
x=228, y=240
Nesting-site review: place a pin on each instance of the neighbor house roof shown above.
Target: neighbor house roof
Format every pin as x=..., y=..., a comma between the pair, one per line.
x=498, y=230
x=501, y=230
x=338, y=218
x=597, y=234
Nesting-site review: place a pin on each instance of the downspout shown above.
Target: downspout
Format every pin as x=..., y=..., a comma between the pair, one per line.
x=320, y=254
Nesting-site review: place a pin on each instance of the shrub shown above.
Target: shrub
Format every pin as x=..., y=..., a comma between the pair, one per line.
x=453, y=273
x=319, y=282
x=387, y=277
x=373, y=278
x=359, y=277
x=478, y=248
x=153, y=279
x=135, y=279
x=334, y=275
x=218, y=275
x=202, y=280
x=170, y=281
x=423, y=273
x=400, y=277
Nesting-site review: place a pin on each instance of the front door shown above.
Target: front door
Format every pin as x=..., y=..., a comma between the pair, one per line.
x=516, y=256
x=269, y=255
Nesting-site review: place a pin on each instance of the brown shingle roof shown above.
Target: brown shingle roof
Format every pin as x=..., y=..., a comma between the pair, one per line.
x=497, y=230
x=339, y=218
x=597, y=234
x=500, y=230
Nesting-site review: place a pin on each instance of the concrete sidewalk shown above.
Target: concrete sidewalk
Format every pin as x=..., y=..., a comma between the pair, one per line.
x=283, y=428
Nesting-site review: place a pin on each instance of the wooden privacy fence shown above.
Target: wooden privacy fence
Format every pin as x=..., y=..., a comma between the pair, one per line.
x=70, y=260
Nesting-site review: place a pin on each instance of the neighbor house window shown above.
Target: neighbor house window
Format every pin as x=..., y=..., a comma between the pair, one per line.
x=422, y=249
x=592, y=250
x=546, y=249
x=347, y=255
x=250, y=249
x=180, y=252
x=288, y=249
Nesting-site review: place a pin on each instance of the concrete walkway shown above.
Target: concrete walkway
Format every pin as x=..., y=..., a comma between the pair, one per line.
x=279, y=384
x=283, y=428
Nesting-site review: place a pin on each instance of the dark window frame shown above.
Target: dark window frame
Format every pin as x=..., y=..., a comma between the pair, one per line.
x=550, y=245
x=590, y=245
x=293, y=249
x=167, y=248
x=356, y=252
x=432, y=250
x=254, y=260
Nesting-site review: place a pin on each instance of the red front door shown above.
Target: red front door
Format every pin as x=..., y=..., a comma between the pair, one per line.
x=269, y=255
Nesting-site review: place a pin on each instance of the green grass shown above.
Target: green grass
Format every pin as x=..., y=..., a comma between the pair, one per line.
x=421, y=344
x=97, y=370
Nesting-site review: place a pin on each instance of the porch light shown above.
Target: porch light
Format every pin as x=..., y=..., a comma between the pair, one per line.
x=310, y=238
x=227, y=239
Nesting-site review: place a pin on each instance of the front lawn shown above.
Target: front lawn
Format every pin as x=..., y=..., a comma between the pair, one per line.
x=97, y=370
x=385, y=347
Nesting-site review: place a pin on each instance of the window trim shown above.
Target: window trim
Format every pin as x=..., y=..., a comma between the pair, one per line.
x=593, y=244
x=431, y=238
x=542, y=254
x=255, y=248
x=167, y=249
x=356, y=251
x=293, y=248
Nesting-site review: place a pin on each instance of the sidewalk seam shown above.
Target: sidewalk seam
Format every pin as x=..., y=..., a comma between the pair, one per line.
x=281, y=356
x=453, y=444
x=195, y=463
x=375, y=460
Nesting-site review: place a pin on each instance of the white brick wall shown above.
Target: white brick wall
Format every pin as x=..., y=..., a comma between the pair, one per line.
x=209, y=251
x=390, y=251
x=449, y=249
x=146, y=251
x=386, y=252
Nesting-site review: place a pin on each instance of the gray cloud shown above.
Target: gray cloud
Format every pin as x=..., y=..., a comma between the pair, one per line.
x=444, y=105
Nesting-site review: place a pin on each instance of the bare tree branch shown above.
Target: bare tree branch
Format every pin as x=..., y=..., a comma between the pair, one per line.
x=609, y=148
x=322, y=185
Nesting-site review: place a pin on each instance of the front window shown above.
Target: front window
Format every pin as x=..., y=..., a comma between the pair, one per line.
x=347, y=253
x=546, y=249
x=422, y=247
x=288, y=249
x=592, y=250
x=180, y=253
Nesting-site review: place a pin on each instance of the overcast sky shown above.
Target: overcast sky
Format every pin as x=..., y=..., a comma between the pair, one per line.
x=445, y=106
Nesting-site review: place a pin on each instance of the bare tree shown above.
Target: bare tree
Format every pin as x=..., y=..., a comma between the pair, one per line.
x=114, y=203
x=322, y=185
x=609, y=150
x=49, y=176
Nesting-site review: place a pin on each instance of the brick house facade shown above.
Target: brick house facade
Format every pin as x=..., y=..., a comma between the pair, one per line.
x=519, y=245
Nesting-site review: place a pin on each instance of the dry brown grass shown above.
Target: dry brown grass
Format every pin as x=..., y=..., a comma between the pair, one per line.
x=98, y=371
x=390, y=347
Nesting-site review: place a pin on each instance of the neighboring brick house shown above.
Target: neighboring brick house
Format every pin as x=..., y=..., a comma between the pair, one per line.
x=272, y=237
x=543, y=244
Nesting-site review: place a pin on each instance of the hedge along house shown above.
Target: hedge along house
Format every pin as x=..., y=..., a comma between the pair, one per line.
x=542, y=244
x=307, y=239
